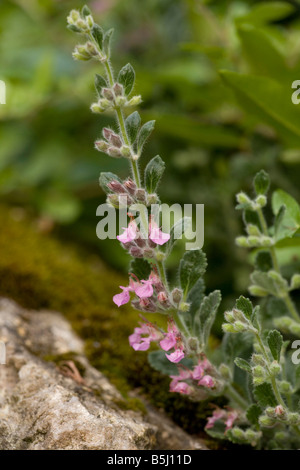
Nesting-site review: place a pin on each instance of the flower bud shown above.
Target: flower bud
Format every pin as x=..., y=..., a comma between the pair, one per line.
x=266, y=241
x=295, y=282
x=107, y=93
x=237, y=433
x=242, y=242
x=253, y=230
x=229, y=317
x=176, y=295
x=135, y=100
x=96, y=108
x=280, y=412
x=160, y=256
x=261, y=200
x=266, y=421
x=81, y=24
x=284, y=387
x=126, y=152
x=254, y=241
x=136, y=252
x=162, y=297
x=258, y=359
x=270, y=412
x=130, y=186
x=80, y=53
x=118, y=89
x=116, y=141
x=152, y=199
x=116, y=186
x=104, y=103
x=149, y=253
x=239, y=316
x=275, y=368
x=257, y=291
x=114, y=152
x=120, y=100
x=293, y=418
x=140, y=195
x=193, y=344
x=242, y=198
x=258, y=380
x=240, y=327
x=101, y=145
x=91, y=49
x=258, y=371
x=113, y=200
x=228, y=328
x=89, y=21
x=184, y=307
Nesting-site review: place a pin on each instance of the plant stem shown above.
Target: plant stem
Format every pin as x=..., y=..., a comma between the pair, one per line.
x=287, y=298
x=233, y=395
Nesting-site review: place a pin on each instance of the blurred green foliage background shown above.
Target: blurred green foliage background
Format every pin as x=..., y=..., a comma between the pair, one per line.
x=216, y=76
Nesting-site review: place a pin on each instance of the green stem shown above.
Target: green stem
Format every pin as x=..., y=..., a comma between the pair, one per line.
x=287, y=298
x=233, y=395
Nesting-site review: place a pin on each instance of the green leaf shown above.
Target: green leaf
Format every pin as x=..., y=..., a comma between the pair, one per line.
x=144, y=134
x=262, y=53
x=140, y=267
x=192, y=266
x=100, y=83
x=268, y=101
x=153, y=173
x=264, y=395
x=126, y=78
x=288, y=219
x=242, y=364
x=206, y=315
x=245, y=305
x=194, y=298
x=133, y=124
x=264, y=282
x=263, y=261
x=106, y=178
x=266, y=12
x=159, y=362
x=234, y=345
x=107, y=40
x=275, y=342
x=97, y=33
x=217, y=431
x=253, y=413
x=178, y=229
x=261, y=182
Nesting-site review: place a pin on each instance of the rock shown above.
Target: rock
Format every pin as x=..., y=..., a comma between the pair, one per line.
x=49, y=406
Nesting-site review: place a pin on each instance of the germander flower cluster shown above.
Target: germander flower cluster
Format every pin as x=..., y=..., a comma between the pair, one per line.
x=249, y=369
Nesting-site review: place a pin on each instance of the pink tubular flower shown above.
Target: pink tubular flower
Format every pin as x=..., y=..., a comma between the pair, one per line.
x=123, y=297
x=129, y=234
x=217, y=415
x=176, y=356
x=231, y=417
x=198, y=371
x=207, y=381
x=142, y=343
x=156, y=235
x=170, y=339
x=177, y=384
x=144, y=289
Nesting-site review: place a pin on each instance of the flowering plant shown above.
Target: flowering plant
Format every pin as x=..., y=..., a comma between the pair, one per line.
x=252, y=368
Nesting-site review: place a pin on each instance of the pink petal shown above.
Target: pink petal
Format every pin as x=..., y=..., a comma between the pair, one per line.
x=176, y=356
x=198, y=372
x=122, y=298
x=129, y=233
x=145, y=290
x=168, y=342
x=143, y=346
x=207, y=381
x=159, y=237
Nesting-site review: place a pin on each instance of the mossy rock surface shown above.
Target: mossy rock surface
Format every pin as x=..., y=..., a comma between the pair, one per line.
x=41, y=272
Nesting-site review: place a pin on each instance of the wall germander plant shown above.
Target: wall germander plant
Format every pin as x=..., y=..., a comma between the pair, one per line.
x=253, y=368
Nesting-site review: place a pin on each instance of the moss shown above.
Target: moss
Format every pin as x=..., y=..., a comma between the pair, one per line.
x=40, y=272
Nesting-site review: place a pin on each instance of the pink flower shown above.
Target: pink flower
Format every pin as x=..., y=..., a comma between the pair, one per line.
x=180, y=387
x=123, y=297
x=198, y=372
x=171, y=337
x=144, y=289
x=156, y=235
x=217, y=415
x=175, y=356
x=129, y=234
x=207, y=381
x=231, y=417
x=142, y=343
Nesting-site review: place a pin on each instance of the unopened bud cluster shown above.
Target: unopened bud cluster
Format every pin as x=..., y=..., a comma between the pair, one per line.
x=237, y=322
x=112, y=98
